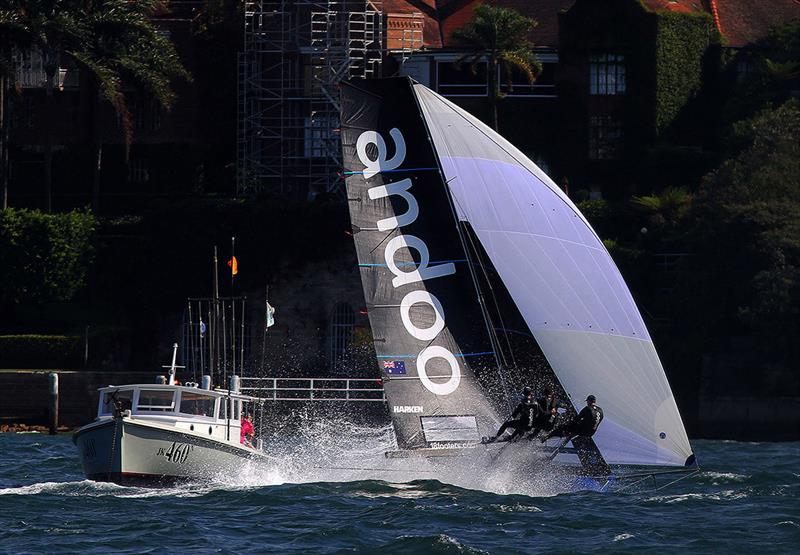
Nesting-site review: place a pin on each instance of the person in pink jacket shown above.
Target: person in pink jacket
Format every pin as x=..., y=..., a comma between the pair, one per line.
x=247, y=432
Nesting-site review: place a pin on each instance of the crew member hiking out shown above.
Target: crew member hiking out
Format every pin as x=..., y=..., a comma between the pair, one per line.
x=547, y=415
x=585, y=424
x=521, y=419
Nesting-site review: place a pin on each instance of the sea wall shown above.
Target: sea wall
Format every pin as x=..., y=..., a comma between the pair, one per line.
x=25, y=394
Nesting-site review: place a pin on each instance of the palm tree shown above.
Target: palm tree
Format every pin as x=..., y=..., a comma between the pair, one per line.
x=500, y=37
x=665, y=209
x=125, y=53
x=113, y=41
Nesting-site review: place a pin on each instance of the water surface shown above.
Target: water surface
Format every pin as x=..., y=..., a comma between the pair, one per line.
x=747, y=498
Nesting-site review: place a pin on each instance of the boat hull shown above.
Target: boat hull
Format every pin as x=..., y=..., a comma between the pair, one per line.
x=130, y=452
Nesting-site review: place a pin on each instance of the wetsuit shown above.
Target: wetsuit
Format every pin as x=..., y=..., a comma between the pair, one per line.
x=546, y=418
x=585, y=424
x=522, y=419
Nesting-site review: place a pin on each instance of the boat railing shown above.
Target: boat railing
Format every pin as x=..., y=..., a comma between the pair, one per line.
x=362, y=390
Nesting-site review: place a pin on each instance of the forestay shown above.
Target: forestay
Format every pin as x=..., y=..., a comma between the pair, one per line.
x=564, y=283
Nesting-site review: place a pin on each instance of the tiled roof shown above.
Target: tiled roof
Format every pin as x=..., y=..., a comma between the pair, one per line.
x=745, y=21
x=740, y=21
x=681, y=6
x=441, y=18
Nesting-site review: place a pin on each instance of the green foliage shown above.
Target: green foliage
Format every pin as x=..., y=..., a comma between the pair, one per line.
x=45, y=257
x=748, y=218
x=681, y=44
x=41, y=351
x=774, y=75
x=667, y=208
x=595, y=209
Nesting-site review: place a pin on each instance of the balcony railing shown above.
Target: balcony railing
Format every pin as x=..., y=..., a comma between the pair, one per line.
x=315, y=389
x=36, y=78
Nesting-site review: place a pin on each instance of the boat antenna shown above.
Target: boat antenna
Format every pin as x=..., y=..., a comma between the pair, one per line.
x=173, y=366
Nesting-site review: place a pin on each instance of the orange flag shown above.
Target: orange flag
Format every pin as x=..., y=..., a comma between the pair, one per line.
x=233, y=264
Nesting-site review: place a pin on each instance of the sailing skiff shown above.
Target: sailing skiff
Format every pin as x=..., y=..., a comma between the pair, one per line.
x=458, y=232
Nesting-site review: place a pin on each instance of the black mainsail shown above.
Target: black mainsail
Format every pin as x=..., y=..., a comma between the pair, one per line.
x=433, y=351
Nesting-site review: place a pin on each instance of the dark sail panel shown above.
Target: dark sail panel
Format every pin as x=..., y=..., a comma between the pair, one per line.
x=430, y=337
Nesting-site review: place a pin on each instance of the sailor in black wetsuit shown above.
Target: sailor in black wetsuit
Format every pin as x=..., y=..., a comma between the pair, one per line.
x=547, y=415
x=521, y=419
x=585, y=424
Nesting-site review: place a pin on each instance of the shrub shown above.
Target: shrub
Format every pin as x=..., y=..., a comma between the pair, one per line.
x=45, y=256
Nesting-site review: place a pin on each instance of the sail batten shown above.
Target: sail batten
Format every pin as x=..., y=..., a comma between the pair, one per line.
x=564, y=284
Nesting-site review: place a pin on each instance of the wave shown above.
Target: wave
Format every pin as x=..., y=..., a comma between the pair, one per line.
x=726, y=495
x=440, y=543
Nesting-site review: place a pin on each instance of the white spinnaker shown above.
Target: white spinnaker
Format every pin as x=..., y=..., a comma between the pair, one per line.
x=564, y=283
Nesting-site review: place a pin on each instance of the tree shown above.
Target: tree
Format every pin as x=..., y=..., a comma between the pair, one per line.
x=665, y=209
x=46, y=257
x=499, y=36
x=113, y=41
x=748, y=223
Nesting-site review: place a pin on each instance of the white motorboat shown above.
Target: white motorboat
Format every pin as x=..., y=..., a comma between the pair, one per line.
x=150, y=434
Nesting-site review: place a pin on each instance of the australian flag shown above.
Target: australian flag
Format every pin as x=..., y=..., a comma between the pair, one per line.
x=394, y=367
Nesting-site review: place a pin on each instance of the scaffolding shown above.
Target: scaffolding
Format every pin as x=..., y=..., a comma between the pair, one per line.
x=295, y=54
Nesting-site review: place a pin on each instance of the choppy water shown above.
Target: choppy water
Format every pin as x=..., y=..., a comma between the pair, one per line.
x=747, y=498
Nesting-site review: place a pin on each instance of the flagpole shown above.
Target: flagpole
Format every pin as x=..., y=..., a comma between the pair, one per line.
x=215, y=332
x=233, y=305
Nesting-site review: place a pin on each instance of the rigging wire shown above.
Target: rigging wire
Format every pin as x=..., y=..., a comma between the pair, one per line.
x=482, y=266
x=475, y=283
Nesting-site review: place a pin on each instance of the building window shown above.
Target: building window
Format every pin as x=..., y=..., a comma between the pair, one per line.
x=461, y=81
x=605, y=138
x=139, y=170
x=341, y=336
x=607, y=74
